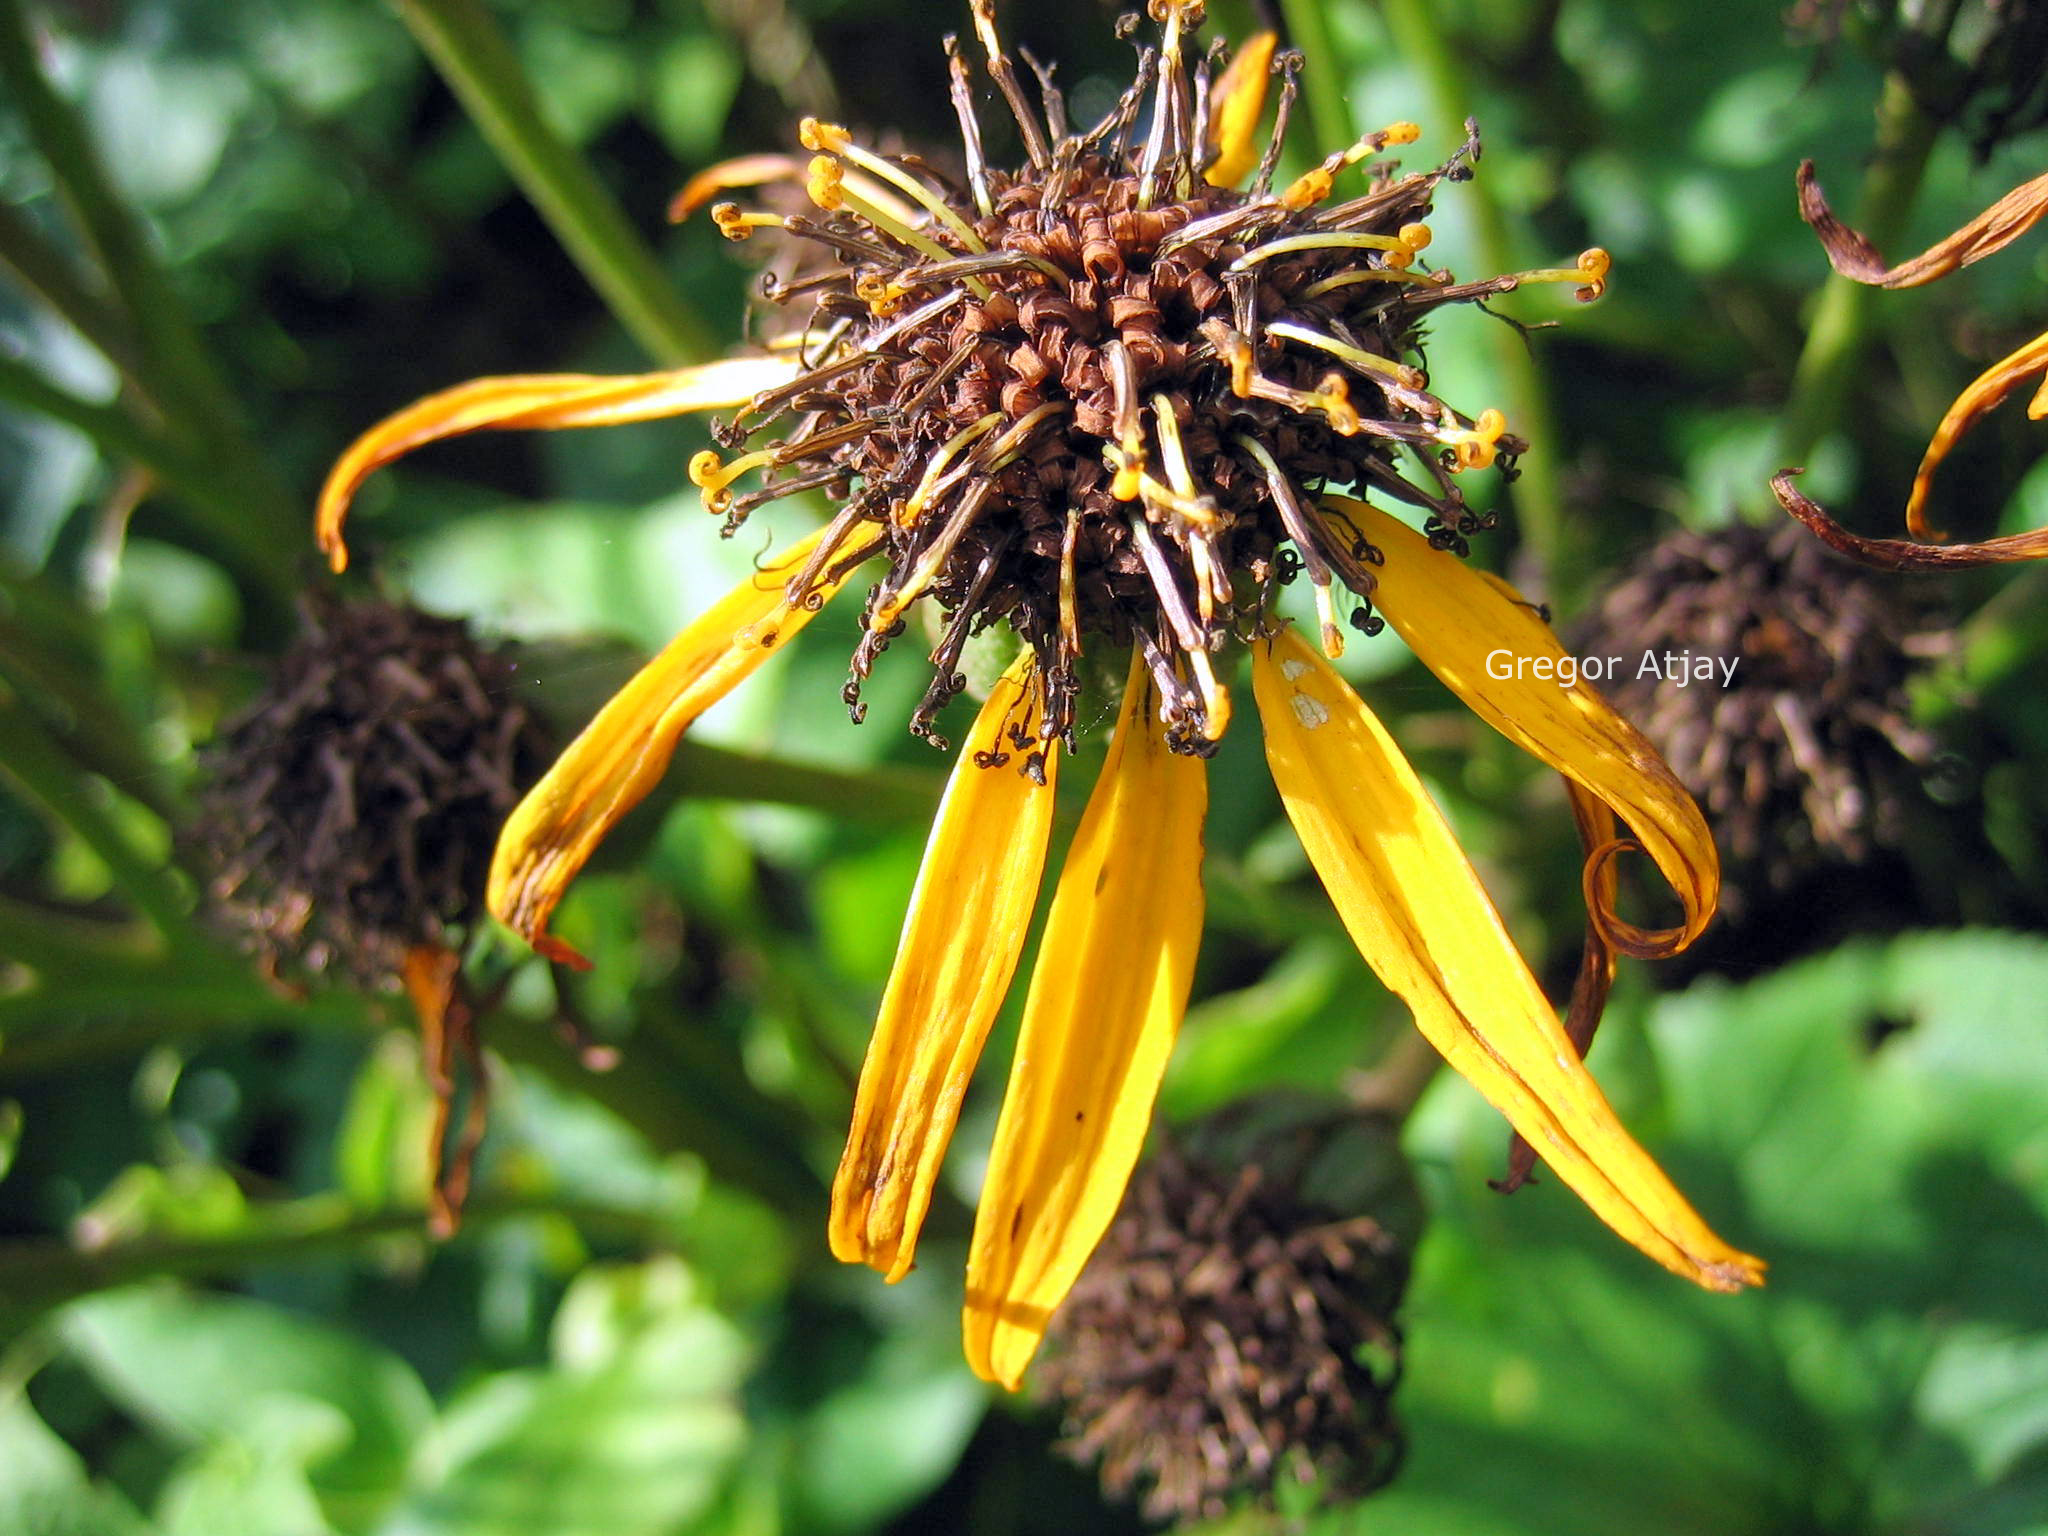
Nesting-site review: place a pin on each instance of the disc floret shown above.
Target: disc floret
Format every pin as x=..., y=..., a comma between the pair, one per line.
x=1099, y=394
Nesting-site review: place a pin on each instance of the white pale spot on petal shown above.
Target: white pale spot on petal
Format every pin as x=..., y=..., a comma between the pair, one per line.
x=1292, y=668
x=1310, y=712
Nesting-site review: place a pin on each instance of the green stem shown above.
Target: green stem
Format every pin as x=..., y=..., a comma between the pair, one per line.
x=215, y=501
x=897, y=796
x=1839, y=334
x=34, y=761
x=1322, y=82
x=172, y=345
x=53, y=941
x=182, y=378
x=1538, y=496
x=474, y=56
x=41, y=1272
x=44, y=272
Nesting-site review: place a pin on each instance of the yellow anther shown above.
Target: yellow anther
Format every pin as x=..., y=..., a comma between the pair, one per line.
x=815, y=135
x=1311, y=187
x=1333, y=399
x=1477, y=446
x=1594, y=263
x=1308, y=189
x=823, y=183
x=1416, y=236
x=883, y=296
x=736, y=224
x=1590, y=273
x=705, y=467
x=1130, y=473
x=713, y=475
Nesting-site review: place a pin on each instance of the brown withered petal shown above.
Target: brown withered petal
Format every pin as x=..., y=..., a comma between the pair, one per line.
x=1852, y=254
x=1904, y=554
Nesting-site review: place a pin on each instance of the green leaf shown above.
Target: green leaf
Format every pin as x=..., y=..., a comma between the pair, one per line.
x=44, y=1487
x=631, y=1433
x=213, y=1370
x=1869, y=1121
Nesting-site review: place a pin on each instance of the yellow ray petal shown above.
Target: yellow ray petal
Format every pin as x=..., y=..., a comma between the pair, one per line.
x=1235, y=104
x=961, y=940
x=622, y=753
x=1985, y=394
x=1106, y=1000
x=1419, y=916
x=1456, y=618
x=533, y=401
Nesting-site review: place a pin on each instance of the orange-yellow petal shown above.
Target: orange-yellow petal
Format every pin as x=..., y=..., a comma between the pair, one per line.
x=1472, y=631
x=1105, y=1003
x=536, y=401
x=1235, y=104
x=961, y=941
x=1985, y=394
x=622, y=753
x=1423, y=922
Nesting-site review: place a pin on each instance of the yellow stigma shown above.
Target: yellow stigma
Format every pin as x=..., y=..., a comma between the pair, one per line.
x=883, y=296
x=736, y=224
x=815, y=135
x=1188, y=13
x=712, y=475
x=1333, y=399
x=822, y=183
x=1476, y=446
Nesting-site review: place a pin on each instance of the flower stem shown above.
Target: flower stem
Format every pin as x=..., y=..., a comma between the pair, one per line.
x=1538, y=498
x=41, y=1272
x=43, y=271
x=212, y=498
x=474, y=56
x=170, y=355
x=1836, y=340
x=33, y=761
x=1329, y=114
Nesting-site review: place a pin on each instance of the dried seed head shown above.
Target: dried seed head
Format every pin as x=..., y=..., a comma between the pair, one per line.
x=348, y=814
x=1235, y=1331
x=1808, y=755
x=1096, y=395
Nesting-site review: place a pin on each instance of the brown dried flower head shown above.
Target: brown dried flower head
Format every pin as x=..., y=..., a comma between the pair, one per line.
x=1809, y=753
x=350, y=811
x=1098, y=394
x=1235, y=1331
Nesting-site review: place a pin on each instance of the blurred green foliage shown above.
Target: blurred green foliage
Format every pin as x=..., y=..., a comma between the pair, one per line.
x=221, y=1314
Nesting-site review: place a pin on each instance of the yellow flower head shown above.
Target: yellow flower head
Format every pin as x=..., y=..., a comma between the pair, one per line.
x=1105, y=400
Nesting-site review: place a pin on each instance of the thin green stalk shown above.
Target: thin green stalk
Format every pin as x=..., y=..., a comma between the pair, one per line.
x=182, y=378
x=474, y=56
x=213, y=498
x=43, y=271
x=1322, y=81
x=41, y=1272
x=1539, y=499
x=187, y=381
x=895, y=796
x=34, y=761
x=58, y=942
x=1839, y=335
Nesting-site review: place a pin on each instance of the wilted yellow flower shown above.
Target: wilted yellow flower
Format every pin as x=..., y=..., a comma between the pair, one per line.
x=1852, y=255
x=1107, y=401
